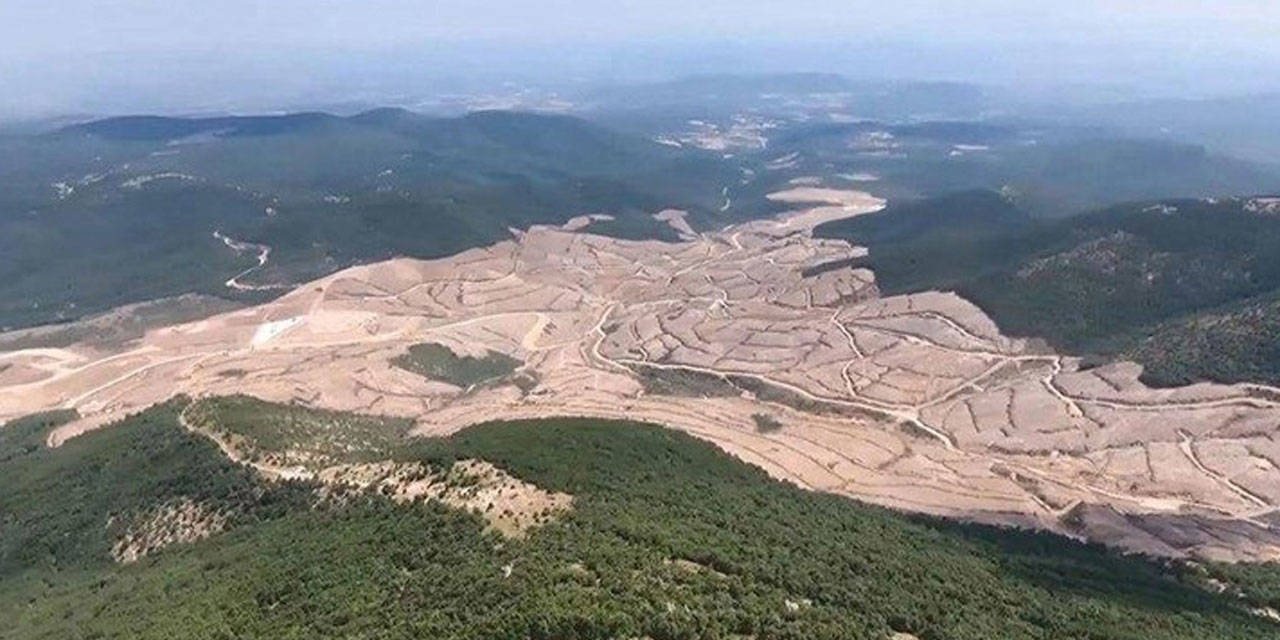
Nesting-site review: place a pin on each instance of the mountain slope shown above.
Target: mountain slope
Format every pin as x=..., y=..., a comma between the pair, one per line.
x=707, y=547
x=1052, y=171
x=121, y=210
x=1101, y=282
x=937, y=243
x=1238, y=342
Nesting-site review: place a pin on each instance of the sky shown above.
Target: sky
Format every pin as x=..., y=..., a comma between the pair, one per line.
x=83, y=54
x=37, y=27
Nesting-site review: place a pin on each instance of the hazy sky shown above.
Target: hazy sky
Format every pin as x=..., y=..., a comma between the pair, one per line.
x=45, y=26
x=68, y=54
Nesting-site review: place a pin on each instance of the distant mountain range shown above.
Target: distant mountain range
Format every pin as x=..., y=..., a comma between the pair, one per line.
x=1053, y=171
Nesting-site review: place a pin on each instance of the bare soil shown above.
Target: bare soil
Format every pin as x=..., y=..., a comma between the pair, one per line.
x=915, y=402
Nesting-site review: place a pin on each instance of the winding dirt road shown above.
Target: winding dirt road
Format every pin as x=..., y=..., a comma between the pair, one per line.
x=263, y=255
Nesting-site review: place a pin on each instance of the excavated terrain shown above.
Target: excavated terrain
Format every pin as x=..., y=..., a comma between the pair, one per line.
x=915, y=402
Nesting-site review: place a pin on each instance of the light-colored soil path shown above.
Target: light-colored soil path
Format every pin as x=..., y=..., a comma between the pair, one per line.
x=263, y=255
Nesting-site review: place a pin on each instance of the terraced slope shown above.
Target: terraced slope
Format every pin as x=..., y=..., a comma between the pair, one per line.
x=916, y=401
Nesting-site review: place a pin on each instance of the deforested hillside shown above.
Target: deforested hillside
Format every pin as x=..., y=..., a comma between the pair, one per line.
x=146, y=530
x=756, y=337
x=1182, y=286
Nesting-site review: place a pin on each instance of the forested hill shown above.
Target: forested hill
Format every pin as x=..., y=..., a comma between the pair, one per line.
x=666, y=537
x=1186, y=287
x=121, y=210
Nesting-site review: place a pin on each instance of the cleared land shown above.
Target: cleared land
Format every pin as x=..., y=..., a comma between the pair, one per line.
x=915, y=402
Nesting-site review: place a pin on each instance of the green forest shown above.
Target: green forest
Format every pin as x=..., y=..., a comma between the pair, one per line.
x=668, y=538
x=324, y=192
x=438, y=362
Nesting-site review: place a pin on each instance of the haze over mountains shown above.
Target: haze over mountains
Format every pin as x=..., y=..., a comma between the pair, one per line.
x=139, y=56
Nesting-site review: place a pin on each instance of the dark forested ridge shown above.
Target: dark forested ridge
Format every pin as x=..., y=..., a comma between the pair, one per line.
x=96, y=215
x=937, y=243
x=667, y=538
x=1183, y=286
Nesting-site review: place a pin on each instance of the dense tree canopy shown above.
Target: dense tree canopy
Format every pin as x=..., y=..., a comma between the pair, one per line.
x=668, y=538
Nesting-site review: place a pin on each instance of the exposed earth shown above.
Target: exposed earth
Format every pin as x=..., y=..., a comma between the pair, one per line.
x=915, y=402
